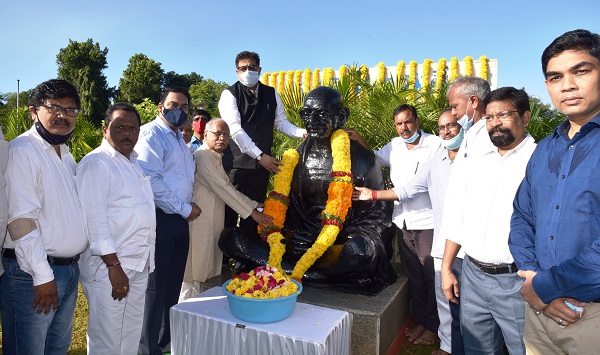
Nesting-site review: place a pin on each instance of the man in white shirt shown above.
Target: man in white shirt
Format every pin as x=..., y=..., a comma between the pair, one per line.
x=492, y=310
x=3, y=198
x=119, y=207
x=252, y=110
x=405, y=155
x=46, y=227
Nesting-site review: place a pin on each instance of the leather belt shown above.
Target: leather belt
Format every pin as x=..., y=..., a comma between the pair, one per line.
x=52, y=260
x=493, y=268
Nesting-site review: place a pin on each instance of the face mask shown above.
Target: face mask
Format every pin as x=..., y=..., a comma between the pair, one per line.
x=198, y=126
x=411, y=139
x=465, y=122
x=249, y=78
x=454, y=142
x=53, y=139
x=175, y=116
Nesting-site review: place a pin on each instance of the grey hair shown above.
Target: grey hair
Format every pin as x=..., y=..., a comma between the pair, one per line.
x=470, y=85
x=212, y=122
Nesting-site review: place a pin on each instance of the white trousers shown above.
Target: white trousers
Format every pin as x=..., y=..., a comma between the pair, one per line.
x=443, y=307
x=115, y=327
x=189, y=290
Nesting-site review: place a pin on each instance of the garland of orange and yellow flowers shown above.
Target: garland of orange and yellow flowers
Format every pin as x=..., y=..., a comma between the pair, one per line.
x=339, y=200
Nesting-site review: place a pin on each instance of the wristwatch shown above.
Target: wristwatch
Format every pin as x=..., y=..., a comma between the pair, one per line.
x=259, y=157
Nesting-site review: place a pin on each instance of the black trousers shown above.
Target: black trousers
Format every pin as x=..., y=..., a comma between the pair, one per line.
x=414, y=247
x=252, y=183
x=164, y=284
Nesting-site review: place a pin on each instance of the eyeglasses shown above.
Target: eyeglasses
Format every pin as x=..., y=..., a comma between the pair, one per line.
x=252, y=67
x=504, y=116
x=55, y=110
x=221, y=134
x=448, y=127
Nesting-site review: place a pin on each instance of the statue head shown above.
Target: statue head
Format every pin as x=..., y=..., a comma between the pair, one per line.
x=323, y=112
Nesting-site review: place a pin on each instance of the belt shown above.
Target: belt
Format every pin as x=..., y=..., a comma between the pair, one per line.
x=52, y=260
x=495, y=269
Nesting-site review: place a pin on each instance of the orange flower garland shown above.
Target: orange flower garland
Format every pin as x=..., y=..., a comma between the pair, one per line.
x=333, y=216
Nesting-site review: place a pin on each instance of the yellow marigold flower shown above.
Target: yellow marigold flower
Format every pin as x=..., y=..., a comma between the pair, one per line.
x=483, y=73
x=281, y=82
x=306, y=80
x=412, y=74
x=453, y=68
x=316, y=79
x=381, y=72
x=468, y=65
x=265, y=78
x=426, y=74
x=289, y=79
x=343, y=71
x=273, y=79
x=364, y=72
x=400, y=68
x=328, y=76
x=298, y=78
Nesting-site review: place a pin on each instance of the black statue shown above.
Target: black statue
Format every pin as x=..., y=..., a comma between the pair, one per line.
x=359, y=260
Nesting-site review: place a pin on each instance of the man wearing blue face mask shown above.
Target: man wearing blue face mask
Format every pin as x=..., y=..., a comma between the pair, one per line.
x=406, y=155
x=168, y=163
x=252, y=110
x=432, y=178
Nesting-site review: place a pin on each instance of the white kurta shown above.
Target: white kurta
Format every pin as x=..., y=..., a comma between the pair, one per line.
x=212, y=190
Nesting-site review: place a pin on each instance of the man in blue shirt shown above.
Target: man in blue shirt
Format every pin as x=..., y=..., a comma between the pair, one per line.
x=168, y=162
x=555, y=227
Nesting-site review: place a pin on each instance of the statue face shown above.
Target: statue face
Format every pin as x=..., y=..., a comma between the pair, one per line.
x=320, y=116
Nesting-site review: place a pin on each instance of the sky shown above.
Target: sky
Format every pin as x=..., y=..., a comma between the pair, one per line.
x=205, y=36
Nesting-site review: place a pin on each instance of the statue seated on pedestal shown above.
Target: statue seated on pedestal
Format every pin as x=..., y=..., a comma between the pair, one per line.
x=359, y=259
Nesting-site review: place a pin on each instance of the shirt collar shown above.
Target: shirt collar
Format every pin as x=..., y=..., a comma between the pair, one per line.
x=34, y=133
x=205, y=147
x=105, y=146
x=164, y=126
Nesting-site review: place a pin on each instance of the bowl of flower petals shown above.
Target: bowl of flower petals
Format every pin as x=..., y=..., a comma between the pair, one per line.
x=264, y=295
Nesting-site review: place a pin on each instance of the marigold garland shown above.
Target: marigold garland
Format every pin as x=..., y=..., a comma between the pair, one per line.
x=453, y=68
x=265, y=78
x=468, y=65
x=289, y=79
x=412, y=74
x=273, y=79
x=483, y=73
x=316, y=79
x=306, y=76
x=426, y=74
x=281, y=81
x=343, y=71
x=381, y=70
x=339, y=201
x=298, y=78
x=364, y=72
x=400, y=68
x=439, y=75
x=328, y=74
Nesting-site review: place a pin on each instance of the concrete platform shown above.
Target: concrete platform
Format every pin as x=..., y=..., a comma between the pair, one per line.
x=377, y=320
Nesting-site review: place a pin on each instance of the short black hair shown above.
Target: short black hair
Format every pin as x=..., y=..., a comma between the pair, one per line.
x=576, y=40
x=53, y=89
x=202, y=112
x=122, y=106
x=405, y=107
x=247, y=55
x=517, y=97
x=168, y=89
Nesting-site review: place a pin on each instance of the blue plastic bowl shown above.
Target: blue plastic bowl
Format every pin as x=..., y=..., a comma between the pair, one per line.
x=257, y=310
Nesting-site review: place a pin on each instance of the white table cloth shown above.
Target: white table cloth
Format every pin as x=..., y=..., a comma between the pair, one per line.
x=204, y=325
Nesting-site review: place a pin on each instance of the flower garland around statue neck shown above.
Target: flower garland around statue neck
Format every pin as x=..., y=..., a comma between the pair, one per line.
x=339, y=201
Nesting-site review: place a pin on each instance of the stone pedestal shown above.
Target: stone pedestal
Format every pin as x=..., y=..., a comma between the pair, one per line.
x=377, y=319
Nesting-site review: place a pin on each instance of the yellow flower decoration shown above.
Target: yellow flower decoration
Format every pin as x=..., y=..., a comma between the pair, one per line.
x=298, y=78
x=381, y=72
x=426, y=74
x=484, y=73
x=364, y=72
x=400, y=68
x=273, y=80
x=439, y=75
x=289, y=79
x=328, y=76
x=306, y=80
x=339, y=201
x=343, y=71
x=453, y=68
x=412, y=74
x=316, y=78
x=468, y=65
x=265, y=78
x=281, y=81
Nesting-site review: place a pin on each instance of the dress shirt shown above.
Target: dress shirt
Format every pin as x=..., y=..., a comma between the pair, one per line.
x=480, y=221
x=194, y=144
x=41, y=186
x=119, y=207
x=229, y=112
x=3, y=198
x=168, y=162
x=433, y=179
x=555, y=227
x=404, y=163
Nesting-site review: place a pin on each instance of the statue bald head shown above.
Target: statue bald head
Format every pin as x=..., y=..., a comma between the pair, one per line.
x=323, y=112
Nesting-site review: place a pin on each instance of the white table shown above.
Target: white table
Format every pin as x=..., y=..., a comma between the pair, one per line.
x=204, y=325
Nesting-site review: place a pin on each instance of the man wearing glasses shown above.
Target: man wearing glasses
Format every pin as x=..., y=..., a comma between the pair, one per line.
x=252, y=110
x=46, y=227
x=492, y=311
x=168, y=162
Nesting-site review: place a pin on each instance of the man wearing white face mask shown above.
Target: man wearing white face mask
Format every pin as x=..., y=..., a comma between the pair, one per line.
x=432, y=178
x=252, y=110
x=406, y=155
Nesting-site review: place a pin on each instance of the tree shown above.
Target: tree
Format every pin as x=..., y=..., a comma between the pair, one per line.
x=82, y=63
x=181, y=80
x=209, y=92
x=142, y=79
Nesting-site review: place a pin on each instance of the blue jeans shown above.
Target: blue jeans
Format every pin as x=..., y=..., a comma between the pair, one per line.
x=491, y=310
x=23, y=330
